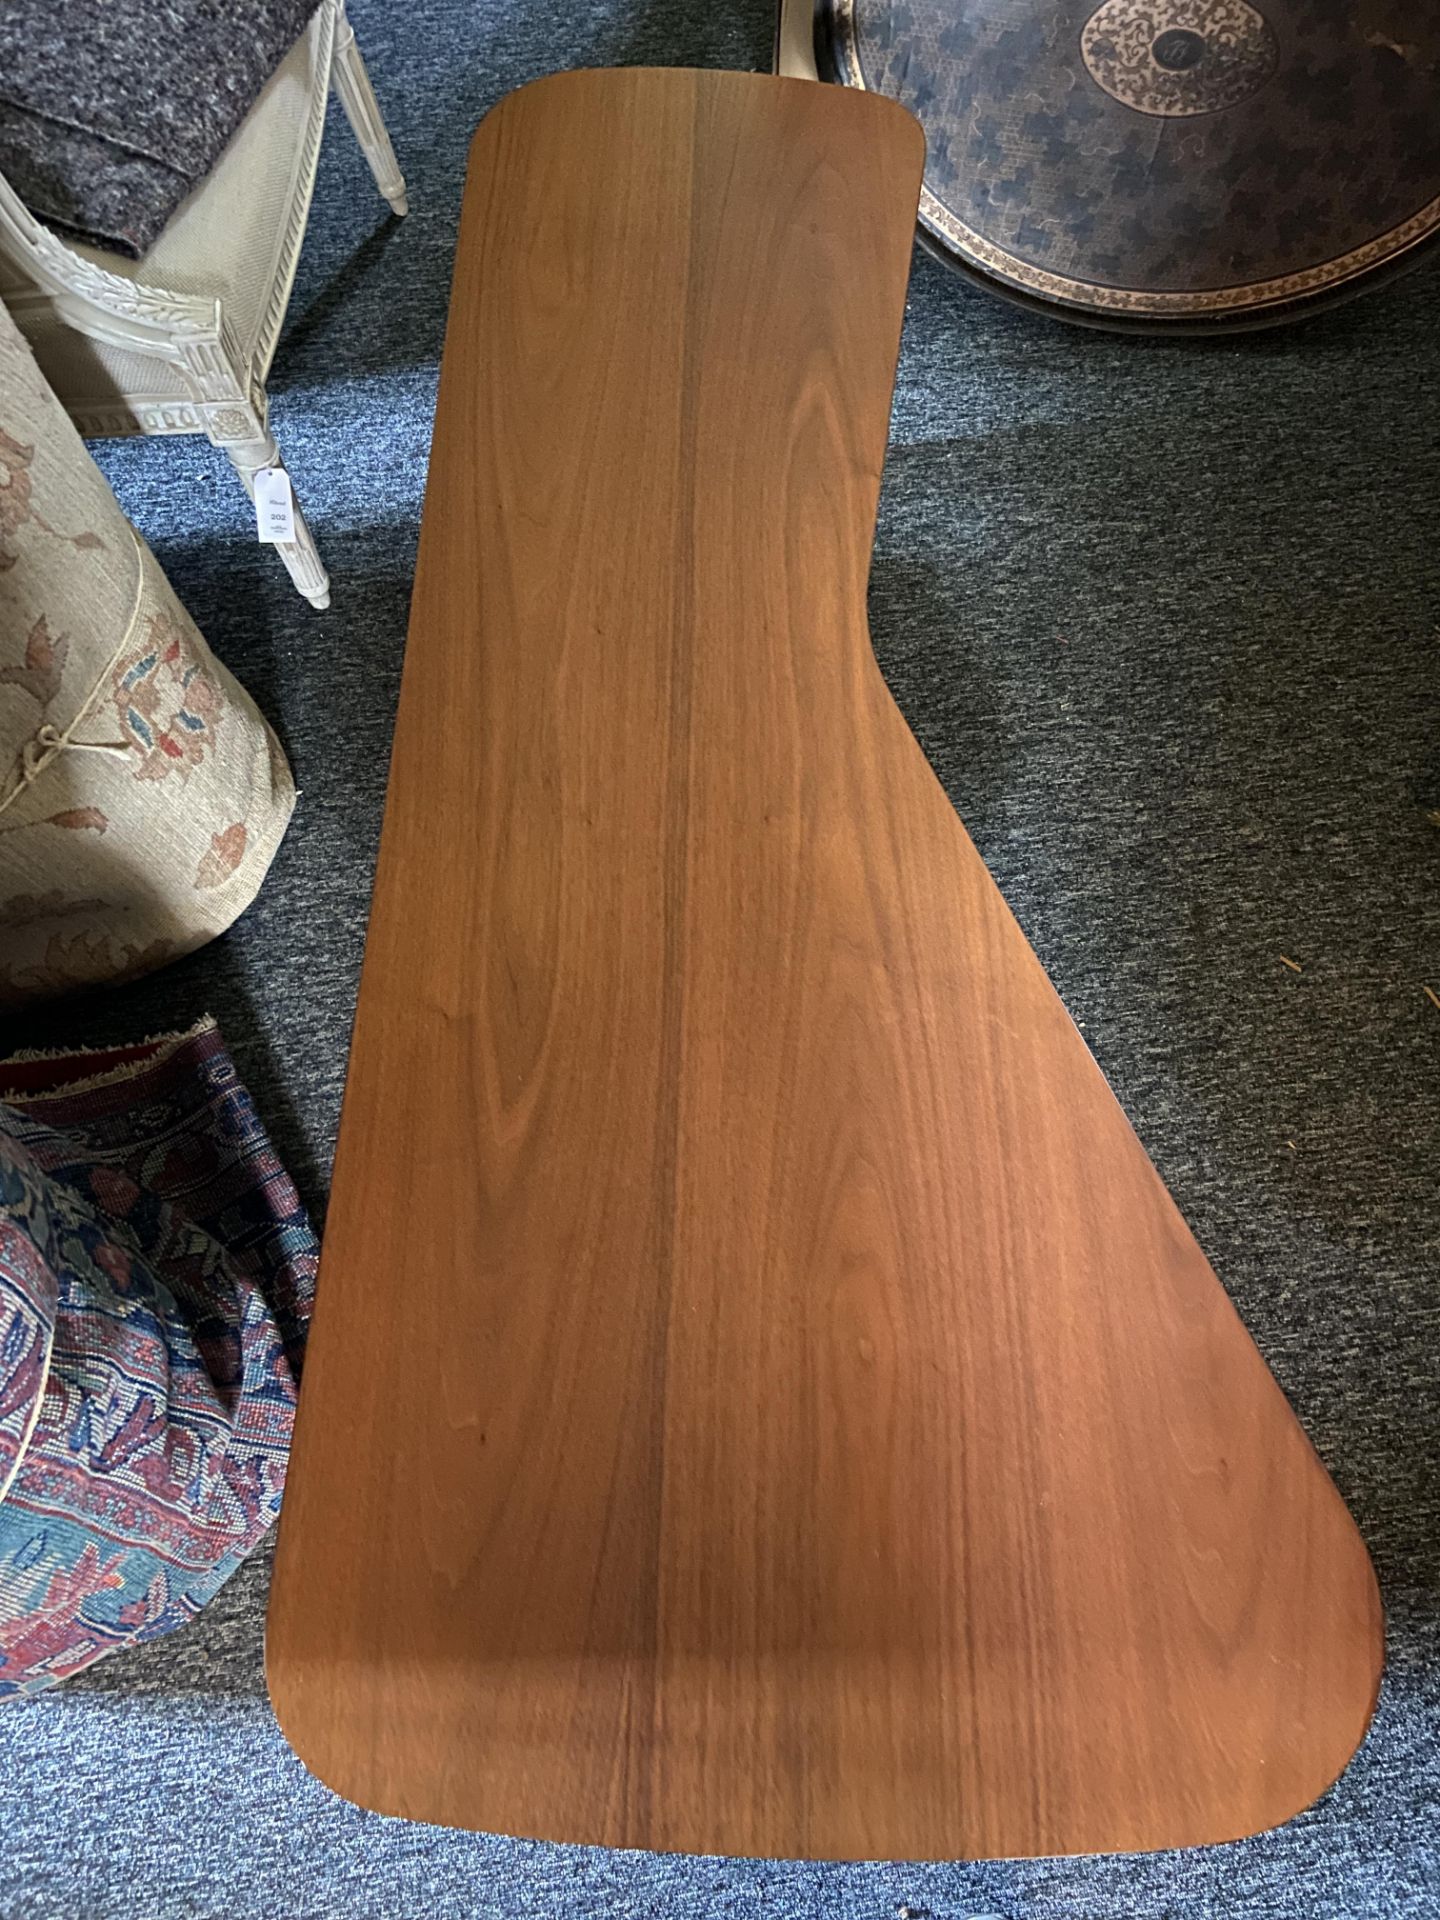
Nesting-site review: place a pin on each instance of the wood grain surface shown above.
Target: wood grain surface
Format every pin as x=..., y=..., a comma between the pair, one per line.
x=762, y=1399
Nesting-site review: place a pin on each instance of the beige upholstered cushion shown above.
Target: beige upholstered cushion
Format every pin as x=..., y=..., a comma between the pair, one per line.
x=142, y=796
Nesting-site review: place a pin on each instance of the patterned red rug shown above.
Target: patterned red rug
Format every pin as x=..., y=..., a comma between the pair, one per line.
x=156, y=1276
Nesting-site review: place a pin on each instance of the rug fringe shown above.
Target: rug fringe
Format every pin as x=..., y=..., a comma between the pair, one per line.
x=160, y=1045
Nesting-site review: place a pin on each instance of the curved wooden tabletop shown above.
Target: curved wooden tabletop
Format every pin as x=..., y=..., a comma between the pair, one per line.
x=762, y=1399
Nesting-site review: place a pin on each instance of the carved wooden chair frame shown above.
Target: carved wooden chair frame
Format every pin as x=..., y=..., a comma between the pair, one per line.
x=223, y=385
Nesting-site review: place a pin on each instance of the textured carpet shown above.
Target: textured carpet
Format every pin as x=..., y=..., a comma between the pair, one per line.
x=1165, y=619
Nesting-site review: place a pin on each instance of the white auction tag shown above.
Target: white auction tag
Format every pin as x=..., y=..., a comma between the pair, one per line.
x=274, y=504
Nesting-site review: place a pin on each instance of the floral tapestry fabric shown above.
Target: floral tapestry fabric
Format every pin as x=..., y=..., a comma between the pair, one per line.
x=142, y=795
x=156, y=1277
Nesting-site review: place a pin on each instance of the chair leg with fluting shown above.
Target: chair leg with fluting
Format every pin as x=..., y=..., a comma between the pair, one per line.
x=305, y=566
x=362, y=110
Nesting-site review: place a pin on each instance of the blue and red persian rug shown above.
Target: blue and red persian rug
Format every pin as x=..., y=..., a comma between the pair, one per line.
x=156, y=1276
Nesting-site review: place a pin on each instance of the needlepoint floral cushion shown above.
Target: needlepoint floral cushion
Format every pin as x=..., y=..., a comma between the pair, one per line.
x=142, y=794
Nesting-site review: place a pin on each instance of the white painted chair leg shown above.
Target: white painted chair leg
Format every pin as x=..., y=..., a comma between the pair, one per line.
x=362, y=110
x=301, y=558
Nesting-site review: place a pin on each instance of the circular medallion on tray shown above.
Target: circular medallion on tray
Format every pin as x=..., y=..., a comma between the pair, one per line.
x=1187, y=56
x=1163, y=163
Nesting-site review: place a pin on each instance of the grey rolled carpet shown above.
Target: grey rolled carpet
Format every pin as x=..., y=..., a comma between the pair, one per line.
x=1165, y=619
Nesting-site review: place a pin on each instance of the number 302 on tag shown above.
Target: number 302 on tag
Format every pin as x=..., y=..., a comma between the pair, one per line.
x=274, y=505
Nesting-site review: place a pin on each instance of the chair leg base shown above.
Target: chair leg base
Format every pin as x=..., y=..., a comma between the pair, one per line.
x=301, y=557
x=362, y=110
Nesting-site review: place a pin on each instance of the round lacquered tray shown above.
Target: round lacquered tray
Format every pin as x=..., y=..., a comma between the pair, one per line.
x=1163, y=163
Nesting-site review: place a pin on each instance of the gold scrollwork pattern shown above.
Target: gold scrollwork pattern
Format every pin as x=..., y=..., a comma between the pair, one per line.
x=1177, y=57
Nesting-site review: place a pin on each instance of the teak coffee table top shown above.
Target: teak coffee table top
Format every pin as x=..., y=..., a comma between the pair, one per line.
x=762, y=1399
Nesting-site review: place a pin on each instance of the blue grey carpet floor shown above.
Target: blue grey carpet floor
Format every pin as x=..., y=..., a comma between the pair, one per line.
x=1165, y=619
